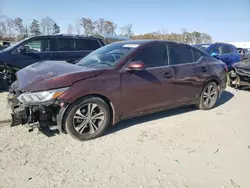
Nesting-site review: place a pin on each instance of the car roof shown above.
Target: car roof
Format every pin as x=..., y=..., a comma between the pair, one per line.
x=66, y=36
x=148, y=41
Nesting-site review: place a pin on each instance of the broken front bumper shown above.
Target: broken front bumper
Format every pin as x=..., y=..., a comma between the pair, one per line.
x=19, y=112
x=36, y=116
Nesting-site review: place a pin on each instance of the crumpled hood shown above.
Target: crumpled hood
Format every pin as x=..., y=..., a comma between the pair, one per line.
x=245, y=65
x=48, y=75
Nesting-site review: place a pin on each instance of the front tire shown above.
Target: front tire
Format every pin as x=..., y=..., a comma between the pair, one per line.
x=87, y=118
x=209, y=96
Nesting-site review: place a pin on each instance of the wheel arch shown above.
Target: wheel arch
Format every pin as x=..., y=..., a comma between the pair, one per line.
x=61, y=115
x=212, y=79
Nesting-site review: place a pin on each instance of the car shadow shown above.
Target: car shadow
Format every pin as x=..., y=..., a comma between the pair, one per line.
x=225, y=97
x=49, y=133
x=146, y=118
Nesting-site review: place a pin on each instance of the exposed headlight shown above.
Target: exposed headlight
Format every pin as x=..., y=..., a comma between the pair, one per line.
x=41, y=97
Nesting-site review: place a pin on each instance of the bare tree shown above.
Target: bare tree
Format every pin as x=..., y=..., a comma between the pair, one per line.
x=10, y=25
x=47, y=24
x=78, y=27
x=3, y=27
x=88, y=25
x=127, y=30
x=100, y=25
x=109, y=27
x=70, y=29
x=19, y=27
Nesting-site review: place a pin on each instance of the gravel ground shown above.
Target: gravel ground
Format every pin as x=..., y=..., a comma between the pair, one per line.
x=179, y=148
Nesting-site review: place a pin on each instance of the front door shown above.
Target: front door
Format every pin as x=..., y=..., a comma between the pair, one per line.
x=35, y=50
x=149, y=89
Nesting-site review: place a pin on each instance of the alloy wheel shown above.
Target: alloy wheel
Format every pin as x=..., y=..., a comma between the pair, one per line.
x=210, y=95
x=88, y=119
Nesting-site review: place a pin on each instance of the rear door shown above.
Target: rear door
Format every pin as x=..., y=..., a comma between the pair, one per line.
x=190, y=72
x=150, y=89
x=63, y=49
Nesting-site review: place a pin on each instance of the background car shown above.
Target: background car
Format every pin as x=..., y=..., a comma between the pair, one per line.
x=244, y=53
x=227, y=53
x=40, y=48
x=118, y=81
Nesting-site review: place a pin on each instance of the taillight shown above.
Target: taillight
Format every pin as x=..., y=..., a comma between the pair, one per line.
x=225, y=67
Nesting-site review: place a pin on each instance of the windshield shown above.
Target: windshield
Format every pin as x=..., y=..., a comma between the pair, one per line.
x=107, y=56
x=14, y=45
x=203, y=47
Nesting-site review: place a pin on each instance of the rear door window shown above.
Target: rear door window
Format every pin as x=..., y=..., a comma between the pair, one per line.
x=62, y=44
x=87, y=44
x=180, y=54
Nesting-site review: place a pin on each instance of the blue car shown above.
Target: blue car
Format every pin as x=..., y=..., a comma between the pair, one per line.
x=227, y=53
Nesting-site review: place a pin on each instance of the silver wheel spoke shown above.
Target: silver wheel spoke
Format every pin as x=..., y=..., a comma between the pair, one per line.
x=210, y=87
x=92, y=127
x=79, y=114
x=213, y=92
x=212, y=100
x=80, y=128
x=100, y=115
x=91, y=108
x=206, y=101
x=206, y=94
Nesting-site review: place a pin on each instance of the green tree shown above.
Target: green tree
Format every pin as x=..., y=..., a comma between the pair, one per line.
x=35, y=28
x=56, y=29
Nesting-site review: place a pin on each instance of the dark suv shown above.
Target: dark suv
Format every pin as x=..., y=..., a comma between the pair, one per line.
x=50, y=47
x=118, y=81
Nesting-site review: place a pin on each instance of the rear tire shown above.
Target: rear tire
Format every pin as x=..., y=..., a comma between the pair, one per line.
x=87, y=118
x=209, y=96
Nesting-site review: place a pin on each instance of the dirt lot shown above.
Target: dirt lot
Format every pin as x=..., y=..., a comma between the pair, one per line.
x=178, y=148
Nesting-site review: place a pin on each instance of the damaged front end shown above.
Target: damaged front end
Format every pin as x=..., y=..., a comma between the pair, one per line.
x=240, y=74
x=36, y=109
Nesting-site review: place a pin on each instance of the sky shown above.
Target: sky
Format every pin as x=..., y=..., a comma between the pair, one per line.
x=224, y=20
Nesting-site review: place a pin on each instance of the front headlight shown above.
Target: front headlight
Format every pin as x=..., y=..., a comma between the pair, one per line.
x=41, y=97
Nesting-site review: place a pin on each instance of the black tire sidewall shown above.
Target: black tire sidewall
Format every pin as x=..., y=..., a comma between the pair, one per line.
x=69, y=116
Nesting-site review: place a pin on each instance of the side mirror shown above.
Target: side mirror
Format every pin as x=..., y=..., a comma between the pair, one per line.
x=136, y=66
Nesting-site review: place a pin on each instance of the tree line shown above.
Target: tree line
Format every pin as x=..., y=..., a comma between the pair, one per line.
x=16, y=29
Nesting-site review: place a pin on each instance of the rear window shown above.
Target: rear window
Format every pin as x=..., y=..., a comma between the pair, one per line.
x=87, y=44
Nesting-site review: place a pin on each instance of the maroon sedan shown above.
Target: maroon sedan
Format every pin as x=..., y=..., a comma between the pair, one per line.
x=116, y=82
